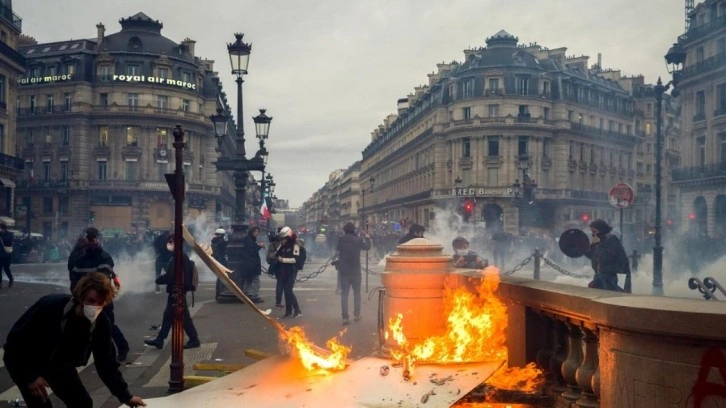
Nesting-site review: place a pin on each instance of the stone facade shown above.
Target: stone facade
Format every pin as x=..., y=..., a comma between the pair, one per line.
x=702, y=175
x=95, y=122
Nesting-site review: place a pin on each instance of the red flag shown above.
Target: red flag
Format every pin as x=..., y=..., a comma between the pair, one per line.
x=263, y=210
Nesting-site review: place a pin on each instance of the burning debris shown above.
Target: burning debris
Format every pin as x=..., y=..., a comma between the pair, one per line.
x=311, y=356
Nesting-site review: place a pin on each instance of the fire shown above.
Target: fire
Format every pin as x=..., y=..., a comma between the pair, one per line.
x=311, y=356
x=525, y=379
x=475, y=331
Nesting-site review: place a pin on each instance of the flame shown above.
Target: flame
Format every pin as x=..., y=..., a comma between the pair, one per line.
x=525, y=379
x=311, y=356
x=476, y=330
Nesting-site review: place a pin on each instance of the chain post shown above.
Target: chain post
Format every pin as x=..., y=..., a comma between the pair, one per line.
x=537, y=257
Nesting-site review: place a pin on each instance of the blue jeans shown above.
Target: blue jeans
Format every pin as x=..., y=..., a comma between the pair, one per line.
x=346, y=282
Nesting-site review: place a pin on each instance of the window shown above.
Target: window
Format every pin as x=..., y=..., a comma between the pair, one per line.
x=67, y=102
x=721, y=46
x=133, y=69
x=34, y=72
x=102, y=170
x=546, y=89
x=648, y=129
x=522, y=85
x=2, y=138
x=571, y=151
x=466, y=147
x=493, y=176
x=188, y=171
x=163, y=73
x=452, y=91
x=46, y=171
x=722, y=141
x=493, y=146
x=66, y=140
x=546, y=113
x=582, y=152
x=721, y=99
x=63, y=206
x=186, y=103
x=466, y=113
x=3, y=89
x=648, y=168
x=162, y=102
x=162, y=139
x=162, y=170
x=493, y=111
x=547, y=148
x=70, y=69
x=104, y=99
x=48, y=137
x=48, y=205
x=700, y=105
x=51, y=71
x=522, y=144
x=469, y=88
x=132, y=136
x=49, y=103
x=699, y=54
x=523, y=111
x=64, y=171
x=592, y=154
x=132, y=170
x=186, y=76
x=494, y=85
x=105, y=72
x=133, y=101
x=701, y=150
x=201, y=173
x=103, y=136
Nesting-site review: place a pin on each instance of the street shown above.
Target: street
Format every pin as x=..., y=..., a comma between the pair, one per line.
x=226, y=330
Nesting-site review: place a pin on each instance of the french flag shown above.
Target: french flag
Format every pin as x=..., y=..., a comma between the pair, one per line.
x=264, y=211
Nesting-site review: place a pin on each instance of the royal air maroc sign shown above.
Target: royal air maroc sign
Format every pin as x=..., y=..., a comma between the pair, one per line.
x=153, y=80
x=47, y=79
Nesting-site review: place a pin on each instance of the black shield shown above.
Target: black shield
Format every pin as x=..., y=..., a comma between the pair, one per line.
x=574, y=243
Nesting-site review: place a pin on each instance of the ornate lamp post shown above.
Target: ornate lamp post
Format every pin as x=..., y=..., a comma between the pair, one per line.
x=239, y=54
x=364, y=217
x=675, y=58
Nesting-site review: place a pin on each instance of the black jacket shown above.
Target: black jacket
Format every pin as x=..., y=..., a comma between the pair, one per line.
x=7, y=238
x=349, y=247
x=168, y=277
x=36, y=343
x=219, y=250
x=93, y=259
x=292, y=254
x=251, y=263
x=608, y=256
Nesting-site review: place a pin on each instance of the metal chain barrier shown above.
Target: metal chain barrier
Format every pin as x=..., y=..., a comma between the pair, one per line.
x=519, y=266
x=563, y=271
x=318, y=272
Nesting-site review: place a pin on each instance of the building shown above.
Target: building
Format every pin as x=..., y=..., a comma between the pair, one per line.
x=702, y=89
x=12, y=65
x=509, y=115
x=95, y=122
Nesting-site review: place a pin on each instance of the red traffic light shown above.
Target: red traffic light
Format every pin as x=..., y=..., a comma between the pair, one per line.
x=469, y=207
x=692, y=216
x=585, y=217
x=669, y=222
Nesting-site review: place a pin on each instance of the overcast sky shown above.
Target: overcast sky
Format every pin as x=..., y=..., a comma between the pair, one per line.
x=329, y=71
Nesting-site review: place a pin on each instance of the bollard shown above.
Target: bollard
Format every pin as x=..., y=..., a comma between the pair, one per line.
x=537, y=257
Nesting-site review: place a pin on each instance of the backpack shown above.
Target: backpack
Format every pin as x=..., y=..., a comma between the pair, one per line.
x=191, y=276
x=301, y=256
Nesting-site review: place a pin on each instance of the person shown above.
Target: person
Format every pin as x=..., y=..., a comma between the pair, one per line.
x=608, y=258
x=168, y=279
x=59, y=333
x=162, y=256
x=6, y=240
x=219, y=253
x=88, y=257
x=349, y=270
x=251, y=264
x=466, y=258
x=415, y=231
x=274, y=265
x=291, y=257
x=502, y=244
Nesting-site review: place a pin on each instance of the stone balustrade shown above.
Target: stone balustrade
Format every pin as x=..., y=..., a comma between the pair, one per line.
x=607, y=349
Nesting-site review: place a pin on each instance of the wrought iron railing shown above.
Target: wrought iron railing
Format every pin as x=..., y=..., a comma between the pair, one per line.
x=12, y=162
x=12, y=18
x=699, y=172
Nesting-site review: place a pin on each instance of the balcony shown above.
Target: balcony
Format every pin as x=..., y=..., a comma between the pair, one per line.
x=11, y=54
x=611, y=134
x=40, y=111
x=708, y=64
x=11, y=162
x=720, y=111
x=703, y=30
x=699, y=117
x=706, y=171
x=148, y=109
x=13, y=19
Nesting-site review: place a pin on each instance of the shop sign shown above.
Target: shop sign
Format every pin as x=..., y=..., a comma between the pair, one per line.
x=44, y=79
x=482, y=192
x=153, y=80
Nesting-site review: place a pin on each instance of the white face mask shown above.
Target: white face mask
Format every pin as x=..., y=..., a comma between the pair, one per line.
x=91, y=312
x=170, y=247
x=462, y=252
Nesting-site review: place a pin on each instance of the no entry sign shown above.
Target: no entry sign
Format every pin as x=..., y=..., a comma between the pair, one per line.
x=621, y=195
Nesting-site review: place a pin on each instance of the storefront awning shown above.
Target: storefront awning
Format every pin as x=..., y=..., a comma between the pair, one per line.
x=8, y=221
x=7, y=182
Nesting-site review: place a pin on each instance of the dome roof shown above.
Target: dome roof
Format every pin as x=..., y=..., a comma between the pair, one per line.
x=141, y=34
x=501, y=51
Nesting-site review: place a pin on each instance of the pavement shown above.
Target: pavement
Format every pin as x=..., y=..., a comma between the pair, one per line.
x=226, y=329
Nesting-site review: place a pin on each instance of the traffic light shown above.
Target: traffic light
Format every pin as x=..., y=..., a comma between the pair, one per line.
x=585, y=217
x=692, y=216
x=468, y=209
x=92, y=216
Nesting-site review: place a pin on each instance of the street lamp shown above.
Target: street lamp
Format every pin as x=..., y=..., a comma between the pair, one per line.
x=675, y=58
x=364, y=219
x=240, y=165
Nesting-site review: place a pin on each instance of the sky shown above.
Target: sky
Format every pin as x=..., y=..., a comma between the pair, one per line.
x=330, y=71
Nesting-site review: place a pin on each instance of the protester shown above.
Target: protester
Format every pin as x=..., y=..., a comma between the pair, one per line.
x=251, y=264
x=608, y=258
x=219, y=253
x=168, y=280
x=291, y=256
x=415, y=231
x=57, y=334
x=349, y=270
x=91, y=257
x=162, y=256
x=466, y=258
x=274, y=266
x=6, y=253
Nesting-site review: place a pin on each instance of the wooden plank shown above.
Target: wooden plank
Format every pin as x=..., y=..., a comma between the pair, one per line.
x=218, y=367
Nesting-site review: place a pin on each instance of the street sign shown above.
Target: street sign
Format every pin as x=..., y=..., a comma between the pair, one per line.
x=621, y=195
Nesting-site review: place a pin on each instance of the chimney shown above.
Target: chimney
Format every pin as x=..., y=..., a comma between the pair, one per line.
x=402, y=106
x=189, y=46
x=101, y=32
x=599, y=60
